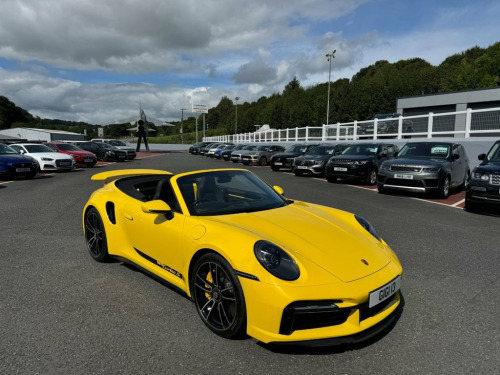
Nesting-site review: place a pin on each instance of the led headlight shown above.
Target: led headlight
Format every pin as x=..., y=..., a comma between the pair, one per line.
x=47, y=159
x=480, y=176
x=276, y=261
x=385, y=167
x=431, y=169
x=366, y=224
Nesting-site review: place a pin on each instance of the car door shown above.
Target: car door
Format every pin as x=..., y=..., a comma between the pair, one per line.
x=457, y=166
x=156, y=238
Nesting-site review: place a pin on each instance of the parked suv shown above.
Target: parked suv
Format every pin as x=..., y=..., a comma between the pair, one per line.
x=104, y=151
x=285, y=159
x=131, y=153
x=387, y=123
x=426, y=167
x=360, y=161
x=314, y=161
x=484, y=189
x=261, y=155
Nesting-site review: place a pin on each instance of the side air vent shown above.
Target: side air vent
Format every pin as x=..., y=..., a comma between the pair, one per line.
x=110, y=210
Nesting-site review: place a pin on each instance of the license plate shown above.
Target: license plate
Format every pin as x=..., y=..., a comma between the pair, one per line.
x=278, y=163
x=381, y=294
x=404, y=176
x=340, y=169
x=87, y=160
x=23, y=170
x=302, y=167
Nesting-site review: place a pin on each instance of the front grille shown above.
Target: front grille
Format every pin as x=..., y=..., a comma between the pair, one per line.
x=312, y=314
x=365, y=312
x=405, y=168
x=22, y=165
x=342, y=162
x=495, y=179
x=400, y=182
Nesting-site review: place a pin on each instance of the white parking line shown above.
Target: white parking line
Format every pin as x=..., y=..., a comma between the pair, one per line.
x=459, y=202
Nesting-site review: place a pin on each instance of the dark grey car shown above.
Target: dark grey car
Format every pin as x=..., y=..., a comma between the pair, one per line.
x=426, y=167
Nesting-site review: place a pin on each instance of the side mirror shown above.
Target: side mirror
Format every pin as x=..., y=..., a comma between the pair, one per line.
x=156, y=207
x=396, y=154
x=22, y=152
x=456, y=156
x=278, y=189
x=481, y=156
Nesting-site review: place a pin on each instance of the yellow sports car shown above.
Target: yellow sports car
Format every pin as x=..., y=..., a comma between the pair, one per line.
x=253, y=261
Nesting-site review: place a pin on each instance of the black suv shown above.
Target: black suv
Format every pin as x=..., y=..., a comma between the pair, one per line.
x=484, y=188
x=104, y=151
x=361, y=161
x=195, y=149
x=285, y=159
x=426, y=167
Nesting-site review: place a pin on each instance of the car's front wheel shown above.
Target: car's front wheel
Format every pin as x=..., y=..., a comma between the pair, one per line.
x=276, y=169
x=371, y=178
x=263, y=161
x=95, y=236
x=218, y=296
x=444, y=190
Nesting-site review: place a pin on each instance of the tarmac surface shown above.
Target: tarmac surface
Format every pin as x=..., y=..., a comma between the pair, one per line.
x=63, y=313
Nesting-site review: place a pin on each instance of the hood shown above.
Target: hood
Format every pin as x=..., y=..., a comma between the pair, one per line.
x=352, y=157
x=422, y=162
x=314, y=157
x=78, y=153
x=488, y=168
x=52, y=155
x=15, y=158
x=331, y=239
x=287, y=155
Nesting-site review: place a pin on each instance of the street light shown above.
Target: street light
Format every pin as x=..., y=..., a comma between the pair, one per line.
x=236, y=122
x=329, y=57
x=182, y=123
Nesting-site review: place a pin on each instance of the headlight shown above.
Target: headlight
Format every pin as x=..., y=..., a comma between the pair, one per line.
x=480, y=176
x=431, y=169
x=385, y=167
x=366, y=224
x=276, y=261
x=47, y=159
x=360, y=162
x=319, y=162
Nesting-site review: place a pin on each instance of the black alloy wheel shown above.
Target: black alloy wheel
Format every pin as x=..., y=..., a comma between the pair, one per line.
x=263, y=161
x=95, y=236
x=218, y=296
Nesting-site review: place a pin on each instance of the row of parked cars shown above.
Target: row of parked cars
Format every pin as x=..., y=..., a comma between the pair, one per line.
x=430, y=167
x=27, y=159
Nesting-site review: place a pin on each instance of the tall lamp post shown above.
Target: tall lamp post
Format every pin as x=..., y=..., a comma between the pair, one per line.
x=182, y=124
x=329, y=57
x=236, y=121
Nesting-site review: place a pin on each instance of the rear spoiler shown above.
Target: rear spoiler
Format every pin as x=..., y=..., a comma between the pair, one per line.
x=109, y=176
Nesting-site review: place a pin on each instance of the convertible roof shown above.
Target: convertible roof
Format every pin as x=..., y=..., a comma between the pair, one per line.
x=113, y=175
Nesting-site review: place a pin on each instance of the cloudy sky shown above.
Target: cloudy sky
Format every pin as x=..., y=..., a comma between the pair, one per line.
x=96, y=60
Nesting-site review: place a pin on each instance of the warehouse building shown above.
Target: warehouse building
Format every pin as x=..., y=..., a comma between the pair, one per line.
x=41, y=135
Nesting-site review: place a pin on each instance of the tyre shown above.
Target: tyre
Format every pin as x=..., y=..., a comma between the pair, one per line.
x=444, y=190
x=245, y=163
x=466, y=183
x=371, y=178
x=276, y=169
x=218, y=297
x=263, y=161
x=331, y=179
x=470, y=207
x=298, y=173
x=381, y=189
x=95, y=236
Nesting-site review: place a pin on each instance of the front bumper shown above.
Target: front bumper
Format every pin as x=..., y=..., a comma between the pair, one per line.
x=282, y=163
x=309, y=167
x=483, y=194
x=354, y=317
x=421, y=182
x=347, y=171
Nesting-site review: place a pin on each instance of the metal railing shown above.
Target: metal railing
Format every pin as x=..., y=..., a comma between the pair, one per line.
x=466, y=124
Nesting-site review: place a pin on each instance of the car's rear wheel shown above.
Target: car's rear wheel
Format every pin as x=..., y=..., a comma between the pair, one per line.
x=218, y=296
x=95, y=236
x=444, y=190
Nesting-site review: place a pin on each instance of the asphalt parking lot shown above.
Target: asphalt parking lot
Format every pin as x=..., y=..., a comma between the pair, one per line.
x=63, y=313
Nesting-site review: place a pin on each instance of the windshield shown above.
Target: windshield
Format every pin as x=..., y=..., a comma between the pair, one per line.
x=296, y=149
x=249, y=148
x=425, y=150
x=37, y=148
x=494, y=153
x=322, y=150
x=4, y=149
x=105, y=145
x=369, y=149
x=227, y=192
x=262, y=148
x=68, y=147
x=115, y=142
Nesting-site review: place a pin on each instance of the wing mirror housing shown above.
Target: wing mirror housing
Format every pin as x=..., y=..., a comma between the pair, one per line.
x=456, y=156
x=481, y=156
x=157, y=207
x=278, y=189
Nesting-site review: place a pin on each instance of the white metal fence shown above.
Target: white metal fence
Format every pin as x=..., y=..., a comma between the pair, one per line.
x=466, y=124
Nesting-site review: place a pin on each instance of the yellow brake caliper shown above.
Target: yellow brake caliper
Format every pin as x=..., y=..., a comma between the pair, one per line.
x=210, y=279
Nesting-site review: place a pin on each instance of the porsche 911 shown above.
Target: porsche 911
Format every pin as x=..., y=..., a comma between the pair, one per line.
x=253, y=261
